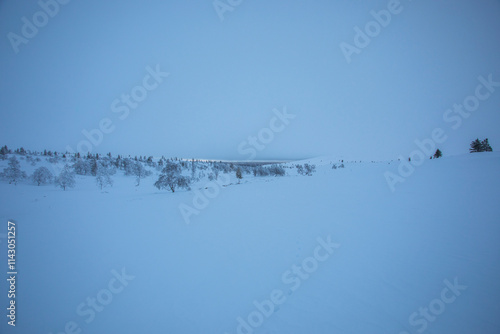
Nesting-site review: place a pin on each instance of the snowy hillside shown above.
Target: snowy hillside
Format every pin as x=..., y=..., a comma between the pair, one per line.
x=335, y=252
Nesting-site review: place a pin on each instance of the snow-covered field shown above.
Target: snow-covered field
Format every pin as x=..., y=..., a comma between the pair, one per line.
x=336, y=252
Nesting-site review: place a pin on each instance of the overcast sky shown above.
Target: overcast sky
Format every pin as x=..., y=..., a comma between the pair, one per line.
x=232, y=71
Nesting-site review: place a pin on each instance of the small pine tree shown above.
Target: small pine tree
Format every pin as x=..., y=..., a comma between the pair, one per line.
x=4, y=150
x=238, y=174
x=475, y=146
x=438, y=154
x=485, y=146
x=480, y=146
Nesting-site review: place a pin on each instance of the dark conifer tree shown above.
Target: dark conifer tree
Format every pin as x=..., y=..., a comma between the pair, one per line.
x=238, y=174
x=475, y=146
x=485, y=146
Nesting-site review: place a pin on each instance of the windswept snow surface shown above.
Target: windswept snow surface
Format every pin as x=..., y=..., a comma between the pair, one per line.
x=424, y=258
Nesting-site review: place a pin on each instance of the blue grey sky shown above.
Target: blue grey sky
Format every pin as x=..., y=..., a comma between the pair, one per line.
x=226, y=76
